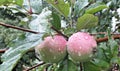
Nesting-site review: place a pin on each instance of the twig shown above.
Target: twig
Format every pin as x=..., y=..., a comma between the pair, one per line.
x=2, y=50
x=30, y=10
x=106, y=38
x=104, y=33
x=41, y=63
x=18, y=28
x=59, y=32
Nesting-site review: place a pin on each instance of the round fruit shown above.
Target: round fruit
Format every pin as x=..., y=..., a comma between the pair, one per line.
x=80, y=46
x=52, y=49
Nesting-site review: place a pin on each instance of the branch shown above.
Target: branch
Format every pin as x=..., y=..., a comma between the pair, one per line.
x=2, y=50
x=41, y=63
x=106, y=38
x=104, y=33
x=30, y=10
x=18, y=28
x=59, y=32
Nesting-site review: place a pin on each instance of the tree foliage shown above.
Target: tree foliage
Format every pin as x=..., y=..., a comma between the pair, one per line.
x=65, y=17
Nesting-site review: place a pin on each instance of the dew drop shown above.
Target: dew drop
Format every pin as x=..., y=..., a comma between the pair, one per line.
x=59, y=49
x=80, y=47
x=86, y=37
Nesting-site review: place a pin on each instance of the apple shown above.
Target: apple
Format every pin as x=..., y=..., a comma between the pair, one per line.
x=52, y=49
x=80, y=46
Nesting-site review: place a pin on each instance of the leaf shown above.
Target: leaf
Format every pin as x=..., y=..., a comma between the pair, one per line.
x=101, y=63
x=40, y=24
x=79, y=5
x=10, y=1
x=96, y=7
x=8, y=64
x=71, y=66
x=36, y=5
x=113, y=48
x=89, y=66
x=2, y=2
x=13, y=55
x=67, y=66
x=19, y=2
x=115, y=60
x=86, y=21
x=69, y=31
x=20, y=47
x=56, y=22
x=61, y=6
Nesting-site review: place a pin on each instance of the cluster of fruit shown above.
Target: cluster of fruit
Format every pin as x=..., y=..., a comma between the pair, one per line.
x=79, y=48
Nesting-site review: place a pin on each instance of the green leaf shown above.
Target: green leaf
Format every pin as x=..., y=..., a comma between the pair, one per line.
x=113, y=48
x=60, y=6
x=79, y=5
x=101, y=63
x=96, y=7
x=16, y=51
x=71, y=66
x=10, y=1
x=69, y=31
x=86, y=21
x=67, y=65
x=56, y=22
x=19, y=2
x=41, y=23
x=10, y=63
x=89, y=66
x=115, y=60
x=36, y=5
x=13, y=54
x=2, y=2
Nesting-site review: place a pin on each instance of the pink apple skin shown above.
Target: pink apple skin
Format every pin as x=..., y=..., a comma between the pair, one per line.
x=52, y=49
x=80, y=46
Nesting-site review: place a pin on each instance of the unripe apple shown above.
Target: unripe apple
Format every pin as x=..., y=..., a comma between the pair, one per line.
x=52, y=49
x=80, y=46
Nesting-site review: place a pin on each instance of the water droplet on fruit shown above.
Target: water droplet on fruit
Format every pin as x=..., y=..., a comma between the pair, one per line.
x=86, y=37
x=80, y=47
x=79, y=54
x=59, y=49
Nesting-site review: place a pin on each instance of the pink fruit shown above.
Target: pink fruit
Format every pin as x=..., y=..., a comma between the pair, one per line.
x=52, y=49
x=80, y=46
